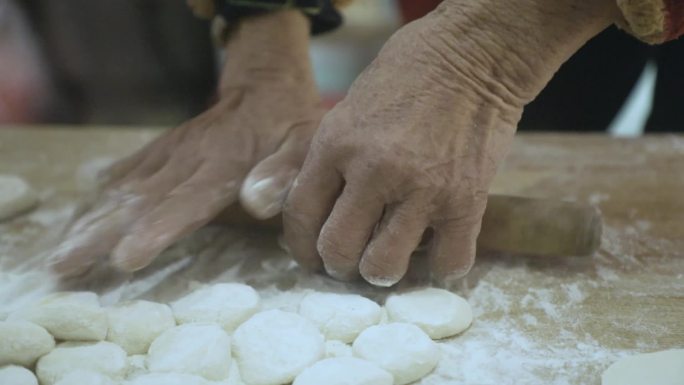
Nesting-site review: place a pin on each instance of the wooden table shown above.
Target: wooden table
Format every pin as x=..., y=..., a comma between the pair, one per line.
x=537, y=320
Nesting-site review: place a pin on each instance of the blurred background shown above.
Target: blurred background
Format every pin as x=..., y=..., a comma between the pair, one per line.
x=152, y=62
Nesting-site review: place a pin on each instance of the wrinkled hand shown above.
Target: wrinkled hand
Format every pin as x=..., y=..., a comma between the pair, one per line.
x=248, y=147
x=416, y=143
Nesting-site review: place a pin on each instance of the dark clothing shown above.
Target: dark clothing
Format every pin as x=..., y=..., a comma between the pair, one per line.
x=589, y=90
x=124, y=62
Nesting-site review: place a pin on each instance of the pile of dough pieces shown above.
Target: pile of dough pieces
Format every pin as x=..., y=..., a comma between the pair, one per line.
x=219, y=335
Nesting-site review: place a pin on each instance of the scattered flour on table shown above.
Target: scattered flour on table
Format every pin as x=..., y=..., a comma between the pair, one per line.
x=520, y=332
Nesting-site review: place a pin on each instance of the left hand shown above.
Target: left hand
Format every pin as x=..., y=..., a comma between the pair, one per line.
x=249, y=147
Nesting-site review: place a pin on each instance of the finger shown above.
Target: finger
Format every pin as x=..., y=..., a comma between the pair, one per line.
x=138, y=194
x=264, y=190
x=91, y=238
x=453, y=247
x=185, y=209
x=144, y=162
x=308, y=205
x=345, y=234
x=386, y=259
x=98, y=230
x=149, y=160
x=121, y=167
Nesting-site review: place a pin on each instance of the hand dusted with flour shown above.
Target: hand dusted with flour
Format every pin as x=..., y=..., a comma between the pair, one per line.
x=418, y=139
x=248, y=147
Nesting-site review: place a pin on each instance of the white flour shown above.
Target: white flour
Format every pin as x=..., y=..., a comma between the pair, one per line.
x=535, y=321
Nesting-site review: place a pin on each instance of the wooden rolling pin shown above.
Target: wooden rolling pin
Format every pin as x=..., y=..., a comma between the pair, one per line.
x=542, y=227
x=517, y=225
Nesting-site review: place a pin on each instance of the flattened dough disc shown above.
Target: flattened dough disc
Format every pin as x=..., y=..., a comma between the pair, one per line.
x=661, y=368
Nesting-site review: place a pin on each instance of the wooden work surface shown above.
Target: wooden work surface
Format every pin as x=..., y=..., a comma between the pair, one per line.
x=537, y=319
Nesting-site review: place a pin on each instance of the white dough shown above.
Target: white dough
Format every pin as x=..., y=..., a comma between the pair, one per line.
x=136, y=365
x=16, y=196
x=661, y=368
x=340, y=316
x=234, y=377
x=85, y=377
x=168, y=379
x=201, y=349
x=334, y=348
x=228, y=304
x=102, y=357
x=134, y=325
x=75, y=316
x=438, y=312
x=17, y=375
x=274, y=346
x=343, y=371
x=402, y=349
x=22, y=343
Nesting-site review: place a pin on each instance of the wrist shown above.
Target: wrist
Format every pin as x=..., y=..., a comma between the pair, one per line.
x=270, y=48
x=513, y=48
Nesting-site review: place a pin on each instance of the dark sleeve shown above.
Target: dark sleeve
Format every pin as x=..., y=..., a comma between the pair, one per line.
x=323, y=14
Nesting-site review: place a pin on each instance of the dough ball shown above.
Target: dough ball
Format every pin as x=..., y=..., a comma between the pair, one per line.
x=17, y=375
x=136, y=365
x=402, y=349
x=16, y=196
x=168, y=379
x=334, y=348
x=102, y=357
x=662, y=368
x=228, y=304
x=344, y=371
x=340, y=316
x=234, y=377
x=75, y=316
x=85, y=377
x=134, y=325
x=22, y=343
x=201, y=349
x=274, y=346
x=438, y=312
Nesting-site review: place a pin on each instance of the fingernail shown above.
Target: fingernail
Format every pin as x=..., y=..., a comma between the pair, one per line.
x=382, y=281
x=264, y=197
x=344, y=276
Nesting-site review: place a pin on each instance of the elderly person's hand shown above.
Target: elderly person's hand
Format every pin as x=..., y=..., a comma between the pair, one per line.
x=418, y=139
x=249, y=147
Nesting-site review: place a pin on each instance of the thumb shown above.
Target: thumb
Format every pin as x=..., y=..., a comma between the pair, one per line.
x=264, y=190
